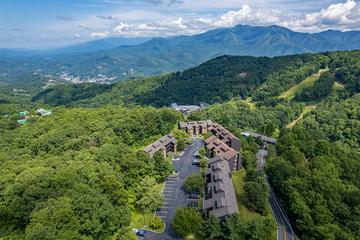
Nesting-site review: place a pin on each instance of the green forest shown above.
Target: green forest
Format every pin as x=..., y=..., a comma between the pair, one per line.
x=77, y=174
x=84, y=161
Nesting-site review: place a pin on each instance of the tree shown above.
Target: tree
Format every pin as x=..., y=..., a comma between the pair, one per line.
x=210, y=229
x=260, y=229
x=295, y=156
x=194, y=183
x=147, y=183
x=187, y=221
x=162, y=168
x=234, y=228
x=249, y=160
x=150, y=201
x=256, y=195
x=56, y=219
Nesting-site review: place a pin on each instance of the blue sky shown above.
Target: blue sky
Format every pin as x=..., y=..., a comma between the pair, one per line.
x=49, y=23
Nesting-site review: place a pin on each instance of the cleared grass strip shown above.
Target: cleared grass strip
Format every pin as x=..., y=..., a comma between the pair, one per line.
x=307, y=82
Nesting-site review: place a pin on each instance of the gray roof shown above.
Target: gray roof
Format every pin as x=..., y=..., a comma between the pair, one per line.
x=204, y=124
x=160, y=144
x=257, y=135
x=223, y=199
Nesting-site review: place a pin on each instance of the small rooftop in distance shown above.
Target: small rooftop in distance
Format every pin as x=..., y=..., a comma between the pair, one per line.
x=257, y=135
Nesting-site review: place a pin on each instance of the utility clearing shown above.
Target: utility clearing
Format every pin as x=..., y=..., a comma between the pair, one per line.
x=307, y=82
x=306, y=110
x=338, y=86
x=250, y=103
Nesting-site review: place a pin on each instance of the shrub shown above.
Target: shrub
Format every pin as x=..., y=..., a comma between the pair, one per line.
x=187, y=221
x=194, y=183
x=156, y=223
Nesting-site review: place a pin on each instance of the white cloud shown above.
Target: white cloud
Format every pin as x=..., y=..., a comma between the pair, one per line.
x=344, y=15
x=100, y=34
x=77, y=36
x=246, y=15
x=337, y=16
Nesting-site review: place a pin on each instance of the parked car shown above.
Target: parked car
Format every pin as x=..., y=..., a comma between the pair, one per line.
x=141, y=232
x=196, y=161
x=197, y=155
x=194, y=196
x=193, y=204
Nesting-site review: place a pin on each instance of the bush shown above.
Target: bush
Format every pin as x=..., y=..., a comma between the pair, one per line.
x=156, y=223
x=194, y=183
x=203, y=162
x=187, y=221
x=256, y=193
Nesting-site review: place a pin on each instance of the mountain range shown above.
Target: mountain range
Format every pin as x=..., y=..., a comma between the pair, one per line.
x=117, y=60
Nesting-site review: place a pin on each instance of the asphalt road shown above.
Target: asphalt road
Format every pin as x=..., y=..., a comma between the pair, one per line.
x=261, y=156
x=174, y=194
x=284, y=230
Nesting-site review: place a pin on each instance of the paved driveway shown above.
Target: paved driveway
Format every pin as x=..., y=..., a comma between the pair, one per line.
x=174, y=194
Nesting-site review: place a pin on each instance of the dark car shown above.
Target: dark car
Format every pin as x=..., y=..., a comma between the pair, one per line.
x=196, y=161
x=194, y=196
x=193, y=204
x=141, y=233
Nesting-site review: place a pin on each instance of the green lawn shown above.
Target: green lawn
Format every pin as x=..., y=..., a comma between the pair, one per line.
x=308, y=82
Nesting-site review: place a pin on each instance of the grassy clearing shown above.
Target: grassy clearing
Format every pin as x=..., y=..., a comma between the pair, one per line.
x=139, y=220
x=306, y=110
x=250, y=103
x=308, y=82
x=338, y=86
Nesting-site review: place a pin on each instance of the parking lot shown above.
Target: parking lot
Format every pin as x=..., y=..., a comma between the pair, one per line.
x=174, y=194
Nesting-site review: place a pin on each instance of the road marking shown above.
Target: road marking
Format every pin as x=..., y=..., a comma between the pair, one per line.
x=163, y=211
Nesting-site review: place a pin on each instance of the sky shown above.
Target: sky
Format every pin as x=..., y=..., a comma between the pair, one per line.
x=52, y=23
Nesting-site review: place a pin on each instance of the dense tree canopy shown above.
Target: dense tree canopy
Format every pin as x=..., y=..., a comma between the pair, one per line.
x=318, y=184
x=75, y=174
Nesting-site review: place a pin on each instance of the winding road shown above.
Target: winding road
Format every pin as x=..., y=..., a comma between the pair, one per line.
x=284, y=229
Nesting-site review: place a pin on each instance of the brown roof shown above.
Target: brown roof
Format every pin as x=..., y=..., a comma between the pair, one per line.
x=220, y=148
x=221, y=132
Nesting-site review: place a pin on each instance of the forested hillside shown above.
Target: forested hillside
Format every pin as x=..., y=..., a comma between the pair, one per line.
x=76, y=174
x=219, y=80
x=86, y=150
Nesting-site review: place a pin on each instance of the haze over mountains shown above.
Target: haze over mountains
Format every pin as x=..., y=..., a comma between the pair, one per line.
x=116, y=59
